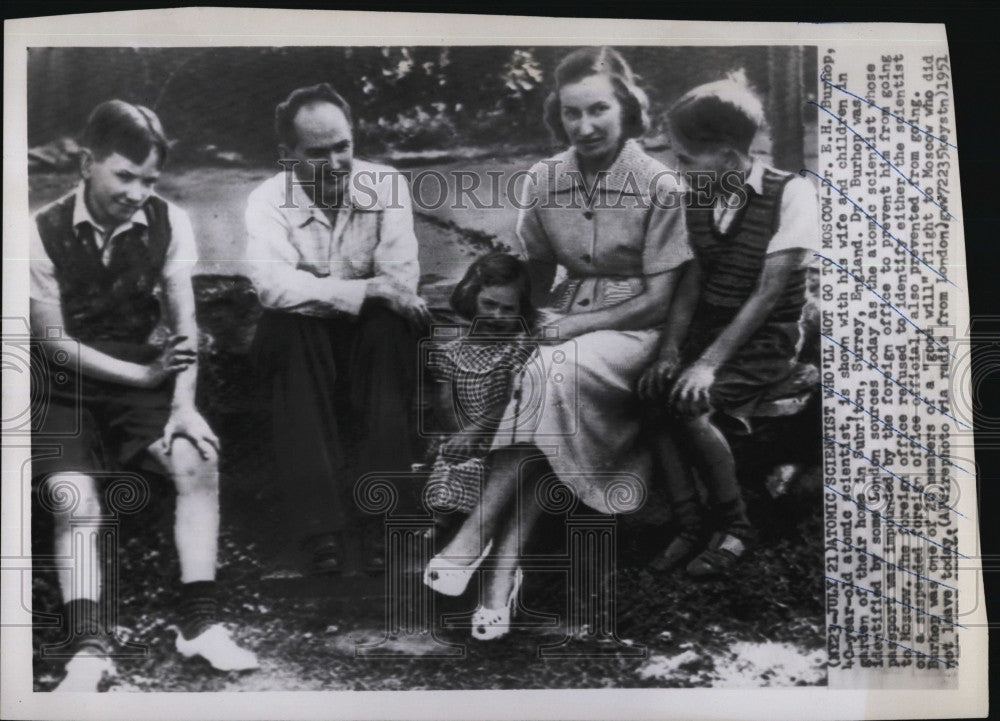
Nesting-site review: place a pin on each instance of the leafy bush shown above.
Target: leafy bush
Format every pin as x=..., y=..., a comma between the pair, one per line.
x=406, y=98
x=416, y=128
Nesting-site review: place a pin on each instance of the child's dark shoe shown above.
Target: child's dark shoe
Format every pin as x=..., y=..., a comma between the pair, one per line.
x=689, y=540
x=723, y=552
x=679, y=551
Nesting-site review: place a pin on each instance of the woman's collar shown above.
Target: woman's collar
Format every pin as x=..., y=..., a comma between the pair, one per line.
x=630, y=170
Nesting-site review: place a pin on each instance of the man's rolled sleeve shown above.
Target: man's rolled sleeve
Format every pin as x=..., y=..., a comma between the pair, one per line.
x=396, y=253
x=273, y=268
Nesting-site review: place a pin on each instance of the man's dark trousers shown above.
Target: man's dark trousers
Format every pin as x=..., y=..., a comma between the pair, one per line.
x=340, y=394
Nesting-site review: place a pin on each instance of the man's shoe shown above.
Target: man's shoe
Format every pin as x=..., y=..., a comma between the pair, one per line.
x=84, y=672
x=216, y=646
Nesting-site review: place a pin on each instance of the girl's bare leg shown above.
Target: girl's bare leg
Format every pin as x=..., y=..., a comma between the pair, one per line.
x=483, y=523
x=678, y=477
x=510, y=548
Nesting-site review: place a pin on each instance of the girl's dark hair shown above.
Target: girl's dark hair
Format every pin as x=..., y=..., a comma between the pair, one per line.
x=586, y=62
x=494, y=269
x=284, y=114
x=116, y=126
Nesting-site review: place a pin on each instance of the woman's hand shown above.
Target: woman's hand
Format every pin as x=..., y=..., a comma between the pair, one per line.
x=562, y=329
x=187, y=422
x=690, y=395
x=173, y=359
x=655, y=381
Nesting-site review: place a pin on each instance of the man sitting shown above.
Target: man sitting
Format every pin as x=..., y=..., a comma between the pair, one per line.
x=333, y=256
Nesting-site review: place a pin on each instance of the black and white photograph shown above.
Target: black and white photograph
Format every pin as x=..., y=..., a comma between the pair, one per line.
x=385, y=365
x=425, y=367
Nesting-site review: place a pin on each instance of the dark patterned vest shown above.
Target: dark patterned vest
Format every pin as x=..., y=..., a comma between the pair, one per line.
x=115, y=302
x=732, y=263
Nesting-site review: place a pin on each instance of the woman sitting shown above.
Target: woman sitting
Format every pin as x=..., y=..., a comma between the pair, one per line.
x=610, y=215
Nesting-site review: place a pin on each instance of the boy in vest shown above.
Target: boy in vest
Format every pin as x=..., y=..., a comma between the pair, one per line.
x=101, y=259
x=733, y=330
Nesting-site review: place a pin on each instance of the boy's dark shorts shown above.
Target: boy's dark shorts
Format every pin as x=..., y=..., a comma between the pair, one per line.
x=95, y=427
x=765, y=360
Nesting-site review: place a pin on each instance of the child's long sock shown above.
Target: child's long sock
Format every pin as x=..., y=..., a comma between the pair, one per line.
x=199, y=608
x=731, y=516
x=83, y=618
x=688, y=517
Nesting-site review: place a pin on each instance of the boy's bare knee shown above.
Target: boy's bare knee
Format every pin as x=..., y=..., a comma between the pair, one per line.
x=191, y=471
x=68, y=494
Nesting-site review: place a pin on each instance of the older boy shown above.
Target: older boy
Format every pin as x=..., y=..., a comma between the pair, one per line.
x=101, y=258
x=734, y=328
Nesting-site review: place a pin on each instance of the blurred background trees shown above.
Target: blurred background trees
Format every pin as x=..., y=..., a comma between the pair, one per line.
x=220, y=101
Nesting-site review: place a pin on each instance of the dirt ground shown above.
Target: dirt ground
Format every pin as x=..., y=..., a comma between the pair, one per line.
x=761, y=626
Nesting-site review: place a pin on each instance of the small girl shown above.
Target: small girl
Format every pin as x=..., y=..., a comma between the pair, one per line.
x=734, y=325
x=475, y=374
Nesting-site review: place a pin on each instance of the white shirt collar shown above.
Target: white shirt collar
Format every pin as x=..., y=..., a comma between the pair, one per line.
x=81, y=214
x=632, y=164
x=311, y=212
x=723, y=213
x=755, y=178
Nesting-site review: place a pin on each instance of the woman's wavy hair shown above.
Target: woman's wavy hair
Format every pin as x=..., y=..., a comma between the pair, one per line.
x=586, y=62
x=490, y=270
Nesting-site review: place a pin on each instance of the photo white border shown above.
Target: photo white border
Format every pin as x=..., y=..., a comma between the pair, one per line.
x=233, y=26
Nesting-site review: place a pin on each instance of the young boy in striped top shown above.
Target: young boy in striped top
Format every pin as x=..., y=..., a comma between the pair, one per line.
x=734, y=326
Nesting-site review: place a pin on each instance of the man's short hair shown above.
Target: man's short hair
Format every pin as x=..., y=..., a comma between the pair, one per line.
x=725, y=113
x=130, y=130
x=285, y=112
